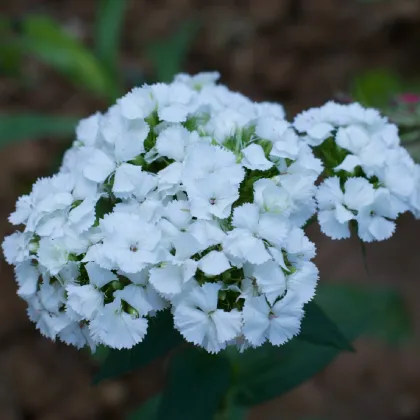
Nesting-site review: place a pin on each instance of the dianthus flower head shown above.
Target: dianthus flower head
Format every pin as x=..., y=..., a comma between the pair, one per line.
x=192, y=198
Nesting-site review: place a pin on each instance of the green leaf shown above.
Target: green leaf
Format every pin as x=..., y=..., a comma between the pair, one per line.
x=44, y=38
x=197, y=383
x=317, y=328
x=15, y=127
x=375, y=88
x=161, y=337
x=148, y=411
x=109, y=21
x=168, y=56
x=389, y=319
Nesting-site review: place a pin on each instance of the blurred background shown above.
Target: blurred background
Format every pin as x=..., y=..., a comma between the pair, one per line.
x=61, y=60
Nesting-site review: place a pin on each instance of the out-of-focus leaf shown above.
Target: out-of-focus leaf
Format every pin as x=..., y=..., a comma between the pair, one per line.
x=17, y=127
x=109, y=21
x=375, y=88
x=161, y=337
x=234, y=412
x=45, y=39
x=317, y=328
x=148, y=411
x=389, y=318
x=169, y=54
x=197, y=383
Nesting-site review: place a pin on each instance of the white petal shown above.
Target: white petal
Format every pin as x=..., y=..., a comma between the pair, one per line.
x=320, y=131
x=99, y=166
x=27, y=277
x=331, y=227
x=348, y=164
x=256, y=323
x=99, y=276
x=136, y=297
x=359, y=192
x=131, y=144
x=271, y=279
x=228, y=324
x=254, y=158
x=303, y=282
x=214, y=263
x=246, y=217
x=127, y=177
x=192, y=323
x=285, y=323
x=117, y=329
x=167, y=280
x=86, y=300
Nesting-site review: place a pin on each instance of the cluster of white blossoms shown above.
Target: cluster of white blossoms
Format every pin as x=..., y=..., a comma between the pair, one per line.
x=369, y=179
x=191, y=197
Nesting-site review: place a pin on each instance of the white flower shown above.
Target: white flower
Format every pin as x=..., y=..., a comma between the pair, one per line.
x=137, y=104
x=86, y=301
x=200, y=322
x=170, y=278
x=173, y=142
x=116, y=328
x=337, y=208
x=27, y=276
x=174, y=101
x=16, y=247
x=211, y=196
x=191, y=197
x=204, y=160
x=246, y=241
x=278, y=323
x=53, y=254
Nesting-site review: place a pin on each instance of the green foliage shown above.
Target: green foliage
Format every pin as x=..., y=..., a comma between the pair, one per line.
x=197, y=383
x=387, y=318
x=109, y=21
x=43, y=38
x=376, y=88
x=15, y=128
x=46, y=40
x=148, y=411
x=161, y=337
x=317, y=328
x=168, y=55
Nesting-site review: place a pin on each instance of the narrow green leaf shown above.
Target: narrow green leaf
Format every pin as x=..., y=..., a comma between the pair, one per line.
x=148, y=411
x=15, y=127
x=45, y=39
x=317, y=328
x=161, y=337
x=197, y=383
x=109, y=21
x=168, y=55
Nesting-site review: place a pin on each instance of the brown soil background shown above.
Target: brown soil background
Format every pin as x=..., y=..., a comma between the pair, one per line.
x=298, y=52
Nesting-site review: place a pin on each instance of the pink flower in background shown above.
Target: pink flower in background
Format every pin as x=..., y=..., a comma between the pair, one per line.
x=409, y=98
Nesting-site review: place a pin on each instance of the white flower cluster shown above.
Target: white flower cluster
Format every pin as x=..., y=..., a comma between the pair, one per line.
x=191, y=197
x=184, y=196
x=369, y=178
